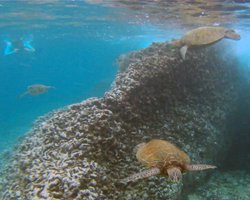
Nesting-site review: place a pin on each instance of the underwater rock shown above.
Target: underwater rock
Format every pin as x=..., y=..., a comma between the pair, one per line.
x=80, y=152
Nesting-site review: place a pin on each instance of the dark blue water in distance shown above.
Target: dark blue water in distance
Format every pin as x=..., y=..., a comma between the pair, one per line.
x=76, y=45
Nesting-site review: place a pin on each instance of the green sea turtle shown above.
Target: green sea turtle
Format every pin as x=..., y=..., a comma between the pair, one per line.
x=162, y=157
x=36, y=89
x=204, y=36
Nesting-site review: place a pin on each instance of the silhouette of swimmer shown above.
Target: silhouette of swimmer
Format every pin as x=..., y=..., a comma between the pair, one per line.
x=18, y=45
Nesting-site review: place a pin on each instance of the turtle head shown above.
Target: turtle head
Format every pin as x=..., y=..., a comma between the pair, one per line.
x=231, y=34
x=174, y=174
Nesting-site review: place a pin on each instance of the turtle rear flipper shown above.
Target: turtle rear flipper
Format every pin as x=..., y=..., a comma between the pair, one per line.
x=23, y=94
x=176, y=43
x=138, y=146
x=198, y=167
x=144, y=174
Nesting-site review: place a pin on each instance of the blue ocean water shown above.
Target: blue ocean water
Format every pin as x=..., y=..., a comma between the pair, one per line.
x=76, y=47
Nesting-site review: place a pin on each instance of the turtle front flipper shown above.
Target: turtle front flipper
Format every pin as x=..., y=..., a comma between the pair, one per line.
x=183, y=51
x=198, y=167
x=174, y=174
x=144, y=174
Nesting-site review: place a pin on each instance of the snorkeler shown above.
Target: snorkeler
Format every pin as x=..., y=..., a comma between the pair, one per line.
x=18, y=45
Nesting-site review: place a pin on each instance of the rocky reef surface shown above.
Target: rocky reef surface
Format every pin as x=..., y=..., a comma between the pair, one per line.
x=82, y=151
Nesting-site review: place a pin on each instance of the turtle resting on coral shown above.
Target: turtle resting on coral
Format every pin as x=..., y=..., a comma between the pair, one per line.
x=204, y=36
x=162, y=157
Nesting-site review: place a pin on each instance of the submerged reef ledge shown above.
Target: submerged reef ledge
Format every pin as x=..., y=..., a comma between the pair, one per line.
x=82, y=151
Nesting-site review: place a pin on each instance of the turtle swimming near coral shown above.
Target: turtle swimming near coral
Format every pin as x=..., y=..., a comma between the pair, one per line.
x=162, y=157
x=204, y=36
x=36, y=89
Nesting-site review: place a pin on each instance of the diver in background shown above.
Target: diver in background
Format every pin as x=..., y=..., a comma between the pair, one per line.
x=18, y=45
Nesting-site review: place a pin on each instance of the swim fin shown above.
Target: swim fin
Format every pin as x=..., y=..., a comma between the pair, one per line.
x=9, y=49
x=27, y=46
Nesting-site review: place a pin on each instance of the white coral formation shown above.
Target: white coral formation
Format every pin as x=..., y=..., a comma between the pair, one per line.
x=79, y=152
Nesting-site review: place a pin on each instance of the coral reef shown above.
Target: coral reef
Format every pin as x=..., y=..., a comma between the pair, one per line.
x=81, y=151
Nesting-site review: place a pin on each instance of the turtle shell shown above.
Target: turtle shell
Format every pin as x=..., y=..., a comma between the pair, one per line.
x=203, y=36
x=162, y=154
x=37, y=89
